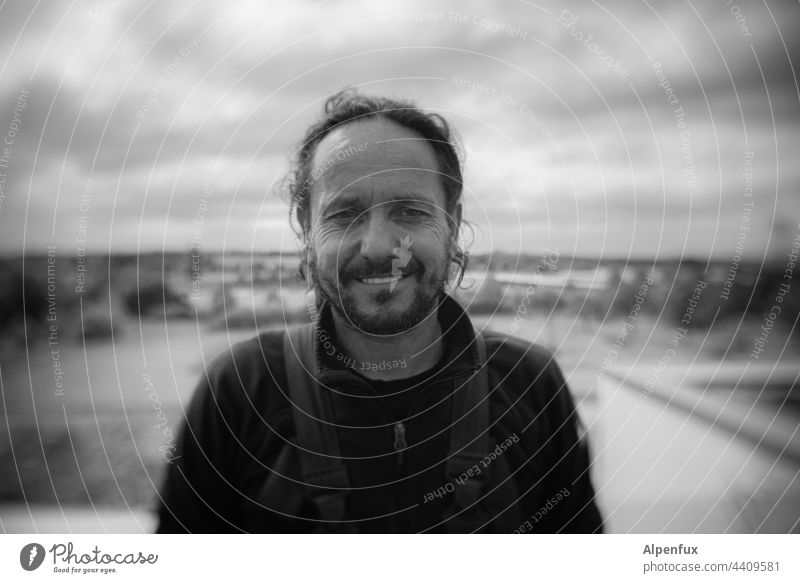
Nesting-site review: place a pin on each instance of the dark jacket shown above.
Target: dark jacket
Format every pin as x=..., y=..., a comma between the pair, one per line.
x=237, y=470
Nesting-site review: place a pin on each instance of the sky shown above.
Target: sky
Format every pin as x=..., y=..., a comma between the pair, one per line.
x=613, y=130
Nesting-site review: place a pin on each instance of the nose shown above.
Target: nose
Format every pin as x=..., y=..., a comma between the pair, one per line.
x=378, y=239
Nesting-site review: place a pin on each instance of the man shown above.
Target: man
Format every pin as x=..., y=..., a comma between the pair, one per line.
x=388, y=413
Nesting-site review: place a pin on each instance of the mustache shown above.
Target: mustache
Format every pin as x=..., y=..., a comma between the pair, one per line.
x=362, y=268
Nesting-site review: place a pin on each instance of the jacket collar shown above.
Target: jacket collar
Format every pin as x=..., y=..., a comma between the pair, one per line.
x=460, y=357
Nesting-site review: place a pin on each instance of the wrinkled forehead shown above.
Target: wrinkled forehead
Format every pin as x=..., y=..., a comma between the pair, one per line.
x=372, y=153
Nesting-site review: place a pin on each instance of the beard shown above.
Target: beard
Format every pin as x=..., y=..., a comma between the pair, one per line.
x=384, y=319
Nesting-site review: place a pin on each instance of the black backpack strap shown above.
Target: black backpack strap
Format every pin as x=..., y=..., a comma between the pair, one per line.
x=323, y=471
x=469, y=444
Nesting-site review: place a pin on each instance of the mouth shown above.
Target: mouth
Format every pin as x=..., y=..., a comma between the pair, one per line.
x=381, y=280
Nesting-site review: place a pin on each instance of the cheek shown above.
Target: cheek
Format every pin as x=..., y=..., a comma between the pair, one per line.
x=438, y=227
x=433, y=236
x=431, y=251
x=329, y=250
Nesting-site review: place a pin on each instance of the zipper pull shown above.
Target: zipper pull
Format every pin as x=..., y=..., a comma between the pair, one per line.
x=400, y=443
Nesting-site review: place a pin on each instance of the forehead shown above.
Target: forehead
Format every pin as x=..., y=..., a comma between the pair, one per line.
x=375, y=156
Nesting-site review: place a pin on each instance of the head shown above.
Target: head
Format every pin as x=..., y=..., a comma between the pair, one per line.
x=376, y=198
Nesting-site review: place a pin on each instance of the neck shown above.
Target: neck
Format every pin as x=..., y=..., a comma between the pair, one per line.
x=389, y=358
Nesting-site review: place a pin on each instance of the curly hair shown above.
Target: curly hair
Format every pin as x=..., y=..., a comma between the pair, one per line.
x=347, y=106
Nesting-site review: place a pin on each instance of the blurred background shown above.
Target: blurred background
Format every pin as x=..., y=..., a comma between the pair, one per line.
x=632, y=188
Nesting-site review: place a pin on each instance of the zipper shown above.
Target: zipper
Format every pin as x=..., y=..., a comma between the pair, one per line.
x=400, y=443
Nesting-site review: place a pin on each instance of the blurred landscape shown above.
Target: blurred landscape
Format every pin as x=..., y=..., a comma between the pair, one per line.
x=133, y=339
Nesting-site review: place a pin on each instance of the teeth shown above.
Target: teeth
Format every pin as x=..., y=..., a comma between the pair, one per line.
x=379, y=280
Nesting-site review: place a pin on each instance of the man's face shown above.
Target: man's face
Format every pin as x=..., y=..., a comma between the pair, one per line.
x=380, y=239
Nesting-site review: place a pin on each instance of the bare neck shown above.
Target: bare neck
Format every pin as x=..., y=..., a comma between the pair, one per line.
x=389, y=358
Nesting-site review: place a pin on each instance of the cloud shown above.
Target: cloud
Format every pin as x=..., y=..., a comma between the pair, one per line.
x=149, y=101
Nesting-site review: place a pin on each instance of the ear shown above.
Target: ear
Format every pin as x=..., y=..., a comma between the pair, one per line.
x=455, y=220
x=303, y=220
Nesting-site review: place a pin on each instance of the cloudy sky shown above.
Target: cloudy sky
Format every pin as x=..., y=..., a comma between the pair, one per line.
x=606, y=129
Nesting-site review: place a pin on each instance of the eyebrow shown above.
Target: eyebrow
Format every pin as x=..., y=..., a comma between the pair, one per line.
x=346, y=198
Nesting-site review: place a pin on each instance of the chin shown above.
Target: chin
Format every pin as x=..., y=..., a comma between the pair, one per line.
x=389, y=313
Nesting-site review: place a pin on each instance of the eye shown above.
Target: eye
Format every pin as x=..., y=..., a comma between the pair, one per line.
x=412, y=212
x=345, y=215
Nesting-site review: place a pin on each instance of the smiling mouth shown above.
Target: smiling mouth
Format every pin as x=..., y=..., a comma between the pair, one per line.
x=381, y=280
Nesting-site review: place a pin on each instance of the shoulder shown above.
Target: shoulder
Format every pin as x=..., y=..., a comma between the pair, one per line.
x=246, y=370
x=509, y=352
x=247, y=356
x=532, y=391
x=526, y=374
